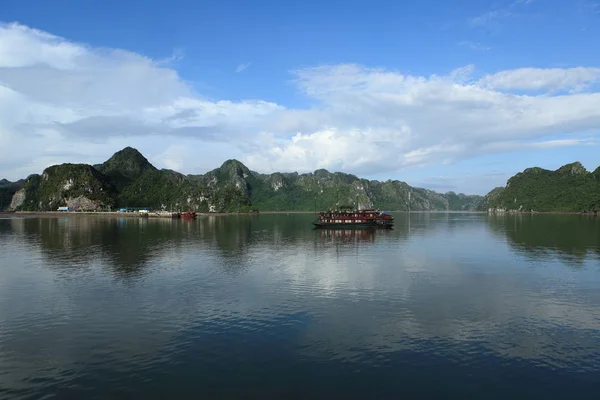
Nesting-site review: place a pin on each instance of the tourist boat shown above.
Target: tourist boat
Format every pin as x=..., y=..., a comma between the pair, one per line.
x=188, y=215
x=346, y=217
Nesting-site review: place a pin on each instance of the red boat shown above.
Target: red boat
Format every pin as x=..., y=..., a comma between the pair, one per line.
x=347, y=217
x=188, y=215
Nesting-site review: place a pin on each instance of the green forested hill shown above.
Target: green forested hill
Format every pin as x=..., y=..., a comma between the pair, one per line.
x=571, y=188
x=128, y=179
x=81, y=184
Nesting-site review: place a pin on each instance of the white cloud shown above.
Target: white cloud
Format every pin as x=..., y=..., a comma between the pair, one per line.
x=62, y=101
x=242, y=67
x=542, y=79
x=386, y=119
x=547, y=144
x=173, y=157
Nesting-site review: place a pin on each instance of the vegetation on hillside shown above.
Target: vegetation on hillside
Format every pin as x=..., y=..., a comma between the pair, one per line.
x=568, y=189
x=60, y=184
x=125, y=166
x=490, y=198
x=128, y=179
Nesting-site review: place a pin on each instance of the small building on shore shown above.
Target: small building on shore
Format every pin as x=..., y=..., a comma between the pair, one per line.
x=135, y=209
x=64, y=209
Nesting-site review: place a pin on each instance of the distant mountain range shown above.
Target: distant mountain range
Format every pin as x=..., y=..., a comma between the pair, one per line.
x=128, y=179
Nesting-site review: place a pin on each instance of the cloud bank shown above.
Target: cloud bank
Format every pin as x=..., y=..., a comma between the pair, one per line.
x=65, y=101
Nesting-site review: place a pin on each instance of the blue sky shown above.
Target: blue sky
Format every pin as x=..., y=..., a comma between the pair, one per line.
x=273, y=83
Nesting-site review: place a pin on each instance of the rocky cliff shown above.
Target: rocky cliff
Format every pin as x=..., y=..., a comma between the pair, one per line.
x=128, y=179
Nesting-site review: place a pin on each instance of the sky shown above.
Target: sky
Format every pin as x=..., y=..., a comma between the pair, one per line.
x=448, y=95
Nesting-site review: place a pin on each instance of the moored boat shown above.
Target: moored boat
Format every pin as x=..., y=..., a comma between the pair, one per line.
x=188, y=215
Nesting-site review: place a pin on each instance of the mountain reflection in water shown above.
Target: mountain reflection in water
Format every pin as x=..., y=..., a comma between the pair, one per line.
x=265, y=306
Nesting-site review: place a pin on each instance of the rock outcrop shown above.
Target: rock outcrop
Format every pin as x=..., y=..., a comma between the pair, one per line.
x=17, y=199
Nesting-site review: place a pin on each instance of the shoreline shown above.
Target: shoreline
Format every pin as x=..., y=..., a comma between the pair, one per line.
x=540, y=212
x=132, y=214
x=206, y=214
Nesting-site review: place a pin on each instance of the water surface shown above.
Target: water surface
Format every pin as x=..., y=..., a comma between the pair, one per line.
x=445, y=305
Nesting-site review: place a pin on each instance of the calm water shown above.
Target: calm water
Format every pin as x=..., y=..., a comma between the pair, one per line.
x=443, y=306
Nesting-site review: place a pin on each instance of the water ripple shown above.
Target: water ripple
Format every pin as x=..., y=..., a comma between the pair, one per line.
x=266, y=306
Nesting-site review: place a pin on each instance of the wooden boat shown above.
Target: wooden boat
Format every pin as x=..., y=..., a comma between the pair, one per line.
x=346, y=217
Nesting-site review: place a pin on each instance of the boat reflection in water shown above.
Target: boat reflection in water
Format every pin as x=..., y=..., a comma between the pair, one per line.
x=347, y=235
